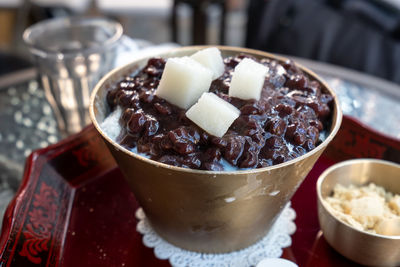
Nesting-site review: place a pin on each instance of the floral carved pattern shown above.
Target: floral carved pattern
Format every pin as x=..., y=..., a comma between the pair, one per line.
x=41, y=222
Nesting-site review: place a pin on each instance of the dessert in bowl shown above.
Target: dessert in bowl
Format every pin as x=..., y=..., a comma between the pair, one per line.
x=217, y=185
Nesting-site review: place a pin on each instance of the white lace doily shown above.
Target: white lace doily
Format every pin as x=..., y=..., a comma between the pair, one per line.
x=268, y=247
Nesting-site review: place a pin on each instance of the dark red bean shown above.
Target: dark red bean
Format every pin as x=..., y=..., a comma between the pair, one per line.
x=127, y=85
x=300, y=100
x=291, y=130
x=258, y=137
x=276, y=126
x=204, y=138
x=213, y=154
x=299, y=139
x=234, y=149
x=288, y=65
x=219, y=142
x=308, y=145
x=157, y=62
x=252, y=108
x=152, y=71
x=136, y=122
x=278, y=159
x=232, y=62
x=166, y=143
x=284, y=110
x=183, y=142
x=249, y=158
x=191, y=161
x=143, y=147
x=128, y=141
x=298, y=81
x=163, y=109
x=313, y=88
x=151, y=127
x=323, y=111
x=124, y=97
x=126, y=116
x=146, y=96
x=183, y=148
x=313, y=134
x=317, y=124
x=314, y=105
x=273, y=142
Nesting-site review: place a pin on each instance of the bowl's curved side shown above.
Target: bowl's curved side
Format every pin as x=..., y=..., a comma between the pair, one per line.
x=359, y=246
x=212, y=213
x=207, y=211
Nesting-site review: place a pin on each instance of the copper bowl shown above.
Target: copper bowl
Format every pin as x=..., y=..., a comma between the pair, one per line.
x=206, y=211
x=360, y=246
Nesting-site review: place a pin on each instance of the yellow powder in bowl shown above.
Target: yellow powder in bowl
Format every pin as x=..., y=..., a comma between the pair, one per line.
x=367, y=208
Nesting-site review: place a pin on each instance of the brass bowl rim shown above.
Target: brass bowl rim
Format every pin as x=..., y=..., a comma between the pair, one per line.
x=328, y=139
x=342, y=164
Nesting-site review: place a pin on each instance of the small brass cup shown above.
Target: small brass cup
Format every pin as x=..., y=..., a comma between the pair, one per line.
x=360, y=246
x=206, y=211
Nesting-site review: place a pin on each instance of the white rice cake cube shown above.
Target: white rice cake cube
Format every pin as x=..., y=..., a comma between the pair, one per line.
x=213, y=114
x=183, y=81
x=248, y=79
x=211, y=58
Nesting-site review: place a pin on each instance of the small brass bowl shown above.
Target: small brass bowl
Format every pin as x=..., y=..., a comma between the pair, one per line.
x=360, y=246
x=206, y=211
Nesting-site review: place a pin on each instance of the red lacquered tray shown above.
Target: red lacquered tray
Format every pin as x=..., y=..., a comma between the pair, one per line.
x=74, y=208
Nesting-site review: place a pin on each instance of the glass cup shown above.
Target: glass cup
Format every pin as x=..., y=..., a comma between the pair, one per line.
x=72, y=54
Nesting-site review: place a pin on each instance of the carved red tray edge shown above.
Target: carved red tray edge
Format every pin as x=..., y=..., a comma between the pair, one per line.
x=9, y=215
x=17, y=210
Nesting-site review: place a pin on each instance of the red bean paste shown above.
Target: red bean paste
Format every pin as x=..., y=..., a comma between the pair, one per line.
x=289, y=120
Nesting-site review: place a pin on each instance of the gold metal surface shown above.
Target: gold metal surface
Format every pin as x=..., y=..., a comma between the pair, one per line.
x=361, y=247
x=206, y=211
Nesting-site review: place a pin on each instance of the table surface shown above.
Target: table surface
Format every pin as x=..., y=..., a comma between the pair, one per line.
x=28, y=122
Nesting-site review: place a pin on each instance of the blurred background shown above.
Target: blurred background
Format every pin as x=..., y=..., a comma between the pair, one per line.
x=359, y=34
